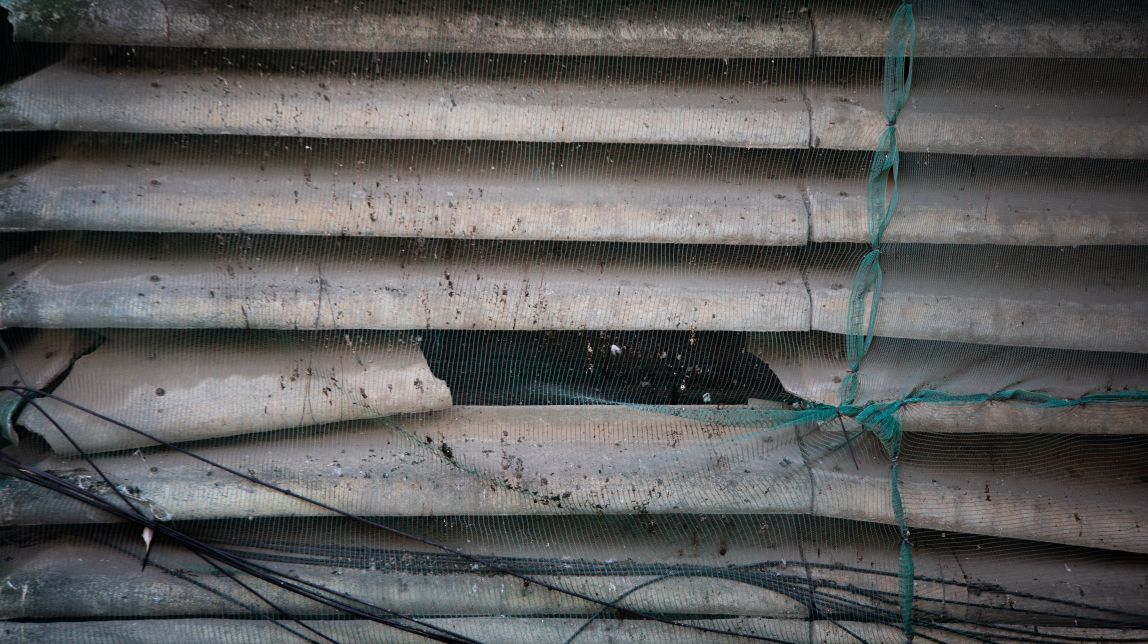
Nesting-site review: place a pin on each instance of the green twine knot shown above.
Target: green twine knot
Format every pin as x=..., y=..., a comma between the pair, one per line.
x=883, y=185
x=858, y=330
x=881, y=420
x=899, y=61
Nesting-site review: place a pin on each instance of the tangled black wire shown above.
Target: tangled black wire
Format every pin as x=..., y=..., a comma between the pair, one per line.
x=823, y=598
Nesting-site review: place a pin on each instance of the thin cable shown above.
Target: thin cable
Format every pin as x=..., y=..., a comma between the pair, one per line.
x=135, y=515
x=262, y=573
x=366, y=521
x=188, y=577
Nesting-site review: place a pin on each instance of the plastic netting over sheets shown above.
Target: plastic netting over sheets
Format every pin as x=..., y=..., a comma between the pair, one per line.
x=505, y=321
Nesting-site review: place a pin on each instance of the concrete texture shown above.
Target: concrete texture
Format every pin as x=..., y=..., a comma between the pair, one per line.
x=468, y=190
x=1027, y=108
x=579, y=192
x=1089, y=298
x=989, y=29
x=210, y=631
x=39, y=359
x=595, y=555
x=550, y=460
x=975, y=200
x=1043, y=28
x=677, y=28
x=192, y=386
x=961, y=107
x=297, y=283
x=811, y=366
x=763, y=114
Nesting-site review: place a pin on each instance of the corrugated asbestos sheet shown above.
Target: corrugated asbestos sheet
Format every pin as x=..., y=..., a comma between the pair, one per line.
x=554, y=321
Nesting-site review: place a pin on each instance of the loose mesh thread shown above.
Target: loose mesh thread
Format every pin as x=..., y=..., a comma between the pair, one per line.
x=880, y=418
x=884, y=176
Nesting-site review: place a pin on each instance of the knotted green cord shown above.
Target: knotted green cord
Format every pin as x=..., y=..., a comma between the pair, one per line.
x=881, y=203
x=859, y=335
x=881, y=419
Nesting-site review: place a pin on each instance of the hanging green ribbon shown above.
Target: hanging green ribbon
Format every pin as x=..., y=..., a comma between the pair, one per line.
x=882, y=190
x=1035, y=399
x=884, y=180
x=899, y=61
x=881, y=419
x=858, y=330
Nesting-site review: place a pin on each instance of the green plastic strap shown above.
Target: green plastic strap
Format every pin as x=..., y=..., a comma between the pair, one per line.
x=878, y=417
x=884, y=176
x=906, y=558
x=1035, y=398
x=899, y=61
x=881, y=419
x=10, y=405
x=882, y=192
x=858, y=331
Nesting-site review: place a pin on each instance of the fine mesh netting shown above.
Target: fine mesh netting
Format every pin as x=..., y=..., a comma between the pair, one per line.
x=625, y=321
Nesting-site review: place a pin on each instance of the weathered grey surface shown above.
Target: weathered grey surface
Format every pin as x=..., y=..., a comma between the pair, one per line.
x=34, y=360
x=1072, y=109
x=1023, y=110
x=306, y=283
x=679, y=28
x=638, y=28
x=811, y=366
x=1088, y=298
x=543, y=460
x=212, y=631
x=1108, y=418
x=511, y=629
x=477, y=190
x=40, y=358
x=973, y=200
x=403, y=189
x=483, y=629
x=1091, y=298
x=762, y=114
x=992, y=28
x=190, y=386
x=957, y=579
x=96, y=572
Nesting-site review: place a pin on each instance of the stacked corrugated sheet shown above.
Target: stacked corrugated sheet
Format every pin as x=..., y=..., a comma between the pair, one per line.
x=497, y=320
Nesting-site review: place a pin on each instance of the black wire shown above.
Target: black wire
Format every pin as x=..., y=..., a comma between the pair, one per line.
x=60, y=486
x=365, y=520
x=872, y=594
x=960, y=584
x=136, y=516
x=506, y=570
x=273, y=577
x=549, y=566
x=626, y=594
x=261, y=597
x=188, y=577
x=892, y=599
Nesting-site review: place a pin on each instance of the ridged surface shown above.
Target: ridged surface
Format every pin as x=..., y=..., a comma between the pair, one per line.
x=285, y=235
